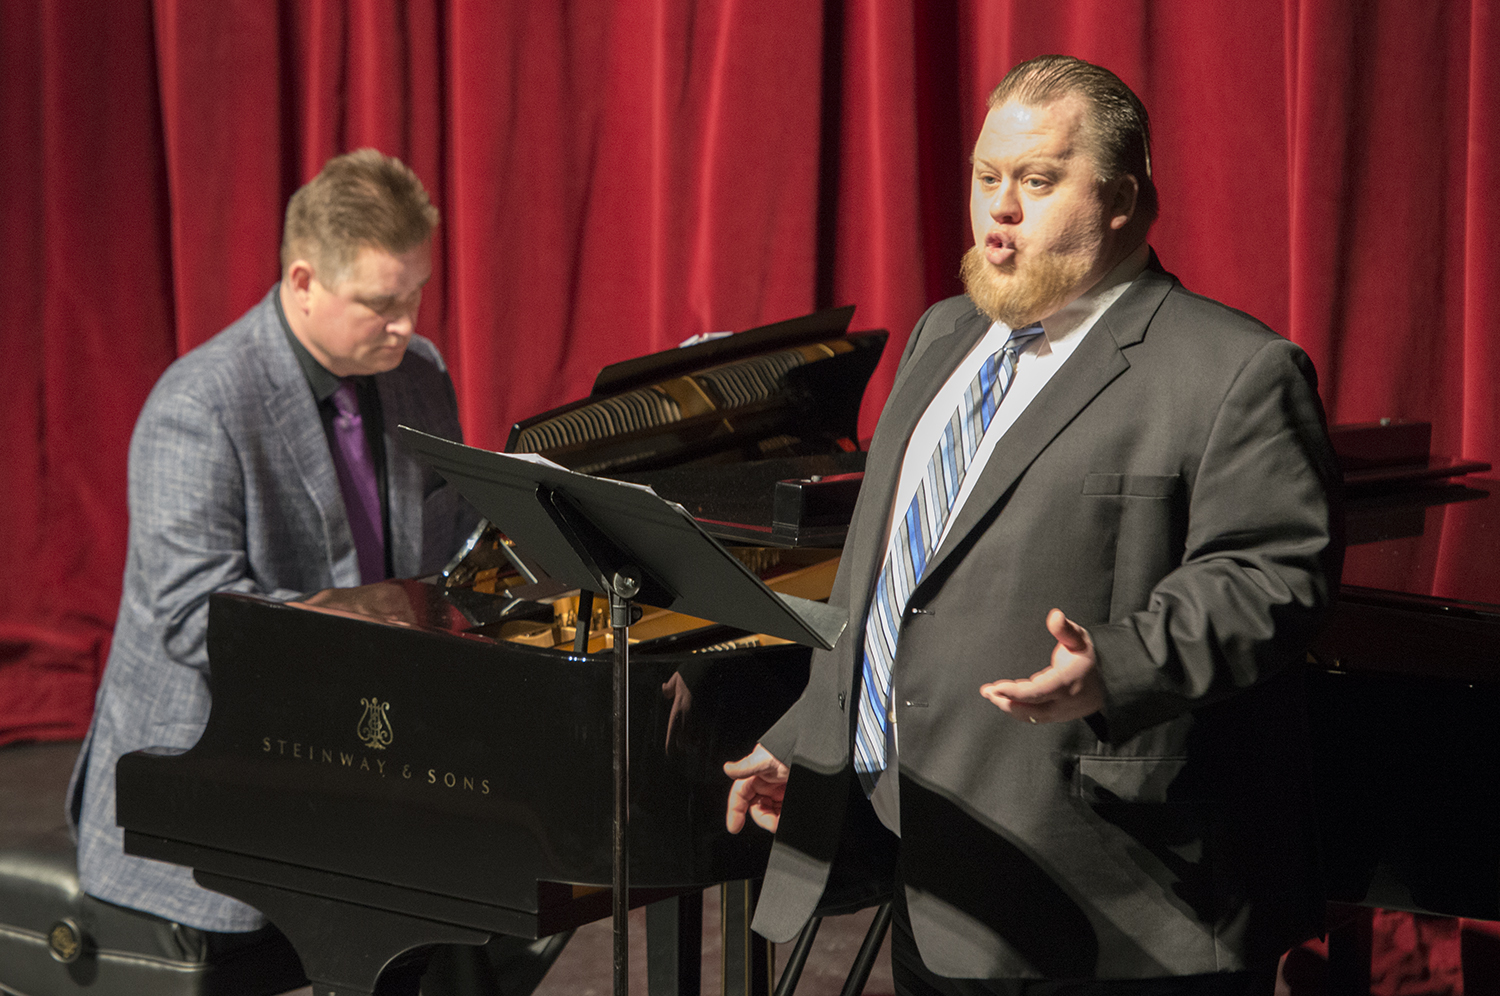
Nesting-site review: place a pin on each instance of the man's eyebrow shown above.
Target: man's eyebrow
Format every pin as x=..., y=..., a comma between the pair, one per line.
x=1029, y=162
x=1045, y=163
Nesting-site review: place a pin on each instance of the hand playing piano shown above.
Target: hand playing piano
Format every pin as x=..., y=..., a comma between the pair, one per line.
x=1069, y=689
x=386, y=601
x=759, y=785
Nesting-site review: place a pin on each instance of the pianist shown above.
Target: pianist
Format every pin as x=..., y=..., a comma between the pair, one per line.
x=265, y=461
x=1109, y=798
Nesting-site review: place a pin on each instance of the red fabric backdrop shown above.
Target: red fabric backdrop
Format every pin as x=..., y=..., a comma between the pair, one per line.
x=617, y=175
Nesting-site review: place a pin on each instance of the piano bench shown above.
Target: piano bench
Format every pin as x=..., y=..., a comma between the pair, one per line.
x=57, y=941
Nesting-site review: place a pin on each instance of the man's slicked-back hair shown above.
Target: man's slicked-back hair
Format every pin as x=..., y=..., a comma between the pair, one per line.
x=361, y=198
x=1116, y=125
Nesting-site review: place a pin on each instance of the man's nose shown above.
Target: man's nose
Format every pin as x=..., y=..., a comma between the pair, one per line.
x=403, y=324
x=1005, y=206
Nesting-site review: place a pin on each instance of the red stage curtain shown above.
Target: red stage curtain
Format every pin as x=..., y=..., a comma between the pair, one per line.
x=618, y=175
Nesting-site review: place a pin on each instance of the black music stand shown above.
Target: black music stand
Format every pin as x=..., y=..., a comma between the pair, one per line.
x=625, y=541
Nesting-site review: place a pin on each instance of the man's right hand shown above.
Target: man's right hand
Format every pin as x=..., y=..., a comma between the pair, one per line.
x=759, y=786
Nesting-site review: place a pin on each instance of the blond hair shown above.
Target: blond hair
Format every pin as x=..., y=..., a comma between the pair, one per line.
x=361, y=198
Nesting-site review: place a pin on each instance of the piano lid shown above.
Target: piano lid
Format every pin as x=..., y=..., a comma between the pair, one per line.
x=641, y=371
x=785, y=390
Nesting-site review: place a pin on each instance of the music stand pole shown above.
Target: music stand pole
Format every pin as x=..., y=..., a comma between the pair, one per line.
x=624, y=586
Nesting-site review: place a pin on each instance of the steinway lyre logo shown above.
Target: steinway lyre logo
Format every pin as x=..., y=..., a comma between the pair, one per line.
x=375, y=725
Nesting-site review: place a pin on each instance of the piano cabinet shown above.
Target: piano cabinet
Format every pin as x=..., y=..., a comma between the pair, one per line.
x=405, y=767
x=1404, y=702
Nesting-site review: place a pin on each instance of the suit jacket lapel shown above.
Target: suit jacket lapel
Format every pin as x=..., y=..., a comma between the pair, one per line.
x=1097, y=361
x=293, y=417
x=927, y=370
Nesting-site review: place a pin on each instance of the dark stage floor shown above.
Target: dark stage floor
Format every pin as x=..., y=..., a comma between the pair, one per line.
x=585, y=966
x=584, y=969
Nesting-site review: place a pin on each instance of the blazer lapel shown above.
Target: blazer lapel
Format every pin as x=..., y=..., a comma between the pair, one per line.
x=293, y=417
x=928, y=369
x=1097, y=361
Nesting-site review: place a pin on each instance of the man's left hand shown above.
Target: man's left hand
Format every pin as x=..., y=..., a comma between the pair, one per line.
x=1069, y=689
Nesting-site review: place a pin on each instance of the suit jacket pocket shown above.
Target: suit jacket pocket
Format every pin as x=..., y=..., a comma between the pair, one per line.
x=1132, y=485
x=1153, y=824
x=1106, y=779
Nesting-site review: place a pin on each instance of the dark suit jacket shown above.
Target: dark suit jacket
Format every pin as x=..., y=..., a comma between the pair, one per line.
x=233, y=488
x=1170, y=490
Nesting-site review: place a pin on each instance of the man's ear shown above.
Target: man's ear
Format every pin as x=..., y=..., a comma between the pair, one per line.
x=1126, y=192
x=298, y=279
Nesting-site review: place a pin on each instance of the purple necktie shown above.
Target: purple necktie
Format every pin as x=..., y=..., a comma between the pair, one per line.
x=351, y=458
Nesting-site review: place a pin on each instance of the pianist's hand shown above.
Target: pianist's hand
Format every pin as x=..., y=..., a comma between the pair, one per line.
x=759, y=784
x=386, y=601
x=1069, y=689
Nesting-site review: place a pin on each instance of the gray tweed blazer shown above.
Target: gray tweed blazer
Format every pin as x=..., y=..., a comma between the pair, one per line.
x=232, y=488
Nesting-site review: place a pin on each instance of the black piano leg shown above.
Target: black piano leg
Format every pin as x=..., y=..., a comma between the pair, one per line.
x=347, y=950
x=674, y=946
x=748, y=959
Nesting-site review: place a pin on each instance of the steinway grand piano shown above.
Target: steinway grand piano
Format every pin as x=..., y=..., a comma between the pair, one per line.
x=429, y=761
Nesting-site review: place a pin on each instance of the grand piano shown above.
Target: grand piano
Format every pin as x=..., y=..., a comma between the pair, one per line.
x=429, y=761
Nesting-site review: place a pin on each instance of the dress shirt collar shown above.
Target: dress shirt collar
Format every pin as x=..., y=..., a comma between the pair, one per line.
x=1064, y=327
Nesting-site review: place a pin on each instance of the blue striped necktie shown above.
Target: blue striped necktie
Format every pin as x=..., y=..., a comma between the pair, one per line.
x=913, y=540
